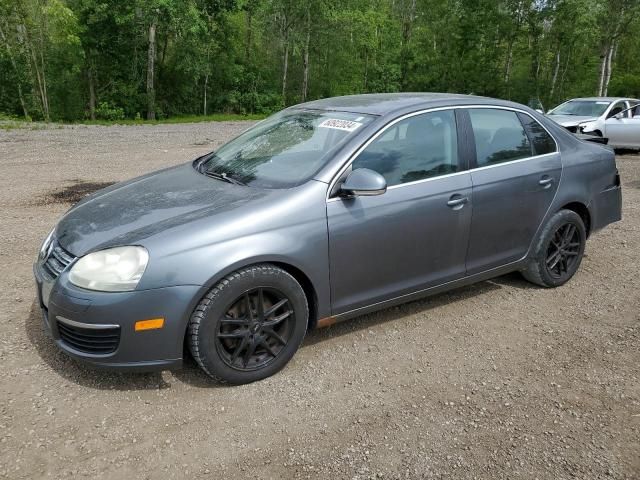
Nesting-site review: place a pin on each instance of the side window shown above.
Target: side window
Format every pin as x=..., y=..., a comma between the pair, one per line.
x=499, y=136
x=542, y=141
x=617, y=108
x=413, y=149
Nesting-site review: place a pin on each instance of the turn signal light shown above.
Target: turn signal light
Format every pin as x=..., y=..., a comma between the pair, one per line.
x=151, y=324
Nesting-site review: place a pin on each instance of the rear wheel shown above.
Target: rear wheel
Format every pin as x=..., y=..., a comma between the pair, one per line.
x=558, y=251
x=249, y=325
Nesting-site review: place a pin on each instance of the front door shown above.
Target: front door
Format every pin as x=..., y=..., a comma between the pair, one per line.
x=413, y=236
x=624, y=132
x=515, y=180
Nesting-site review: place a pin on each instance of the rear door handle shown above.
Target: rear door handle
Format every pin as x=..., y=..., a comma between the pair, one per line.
x=457, y=201
x=545, y=181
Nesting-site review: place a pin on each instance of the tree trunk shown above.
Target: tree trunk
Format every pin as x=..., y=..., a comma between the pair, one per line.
x=42, y=93
x=206, y=82
x=507, y=67
x=407, y=29
x=366, y=69
x=555, y=74
x=45, y=94
x=612, y=53
x=249, y=38
x=564, y=73
x=608, y=52
x=15, y=68
x=285, y=63
x=305, y=60
x=603, y=70
x=151, y=58
x=92, y=92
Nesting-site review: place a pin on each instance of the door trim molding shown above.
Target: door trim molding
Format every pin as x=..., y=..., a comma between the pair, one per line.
x=434, y=290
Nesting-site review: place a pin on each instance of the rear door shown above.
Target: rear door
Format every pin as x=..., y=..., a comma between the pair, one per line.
x=515, y=178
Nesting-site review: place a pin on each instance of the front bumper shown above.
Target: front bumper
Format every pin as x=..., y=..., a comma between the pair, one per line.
x=98, y=327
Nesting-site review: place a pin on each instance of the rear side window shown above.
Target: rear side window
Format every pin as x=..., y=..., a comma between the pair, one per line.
x=499, y=136
x=542, y=141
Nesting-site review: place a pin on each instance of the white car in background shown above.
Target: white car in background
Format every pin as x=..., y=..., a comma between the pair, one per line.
x=617, y=119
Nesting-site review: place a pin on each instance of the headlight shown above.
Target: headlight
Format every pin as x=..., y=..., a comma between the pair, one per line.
x=588, y=126
x=113, y=270
x=44, y=249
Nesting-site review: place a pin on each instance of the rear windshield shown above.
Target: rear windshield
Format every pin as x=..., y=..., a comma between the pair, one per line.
x=581, y=108
x=284, y=150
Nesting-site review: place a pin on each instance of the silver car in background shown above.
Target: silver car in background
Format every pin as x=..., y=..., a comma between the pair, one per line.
x=617, y=119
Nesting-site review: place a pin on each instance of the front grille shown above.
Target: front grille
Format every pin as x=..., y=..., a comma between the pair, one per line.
x=96, y=341
x=57, y=260
x=573, y=129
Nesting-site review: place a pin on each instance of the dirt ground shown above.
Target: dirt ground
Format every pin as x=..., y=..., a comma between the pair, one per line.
x=499, y=380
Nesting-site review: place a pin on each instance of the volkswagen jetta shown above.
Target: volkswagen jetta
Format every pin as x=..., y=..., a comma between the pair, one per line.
x=322, y=212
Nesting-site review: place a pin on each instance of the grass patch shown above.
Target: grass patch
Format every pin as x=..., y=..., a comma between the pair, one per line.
x=21, y=124
x=216, y=117
x=12, y=123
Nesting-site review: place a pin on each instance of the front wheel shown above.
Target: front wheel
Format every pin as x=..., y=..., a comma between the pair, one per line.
x=249, y=325
x=558, y=251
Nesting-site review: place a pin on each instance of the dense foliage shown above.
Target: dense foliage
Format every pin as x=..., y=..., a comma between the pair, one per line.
x=111, y=59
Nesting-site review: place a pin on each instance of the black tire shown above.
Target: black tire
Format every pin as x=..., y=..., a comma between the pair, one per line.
x=552, y=262
x=222, y=330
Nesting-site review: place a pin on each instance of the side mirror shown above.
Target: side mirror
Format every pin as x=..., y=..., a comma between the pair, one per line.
x=364, y=182
x=619, y=116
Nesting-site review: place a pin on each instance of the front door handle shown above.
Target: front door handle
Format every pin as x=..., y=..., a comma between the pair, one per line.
x=545, y=181
x=457, y=201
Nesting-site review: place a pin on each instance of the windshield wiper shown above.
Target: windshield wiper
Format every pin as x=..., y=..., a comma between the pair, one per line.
x=224, y=177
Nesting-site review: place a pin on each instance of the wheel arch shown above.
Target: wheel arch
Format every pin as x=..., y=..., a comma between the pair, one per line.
x=582, y=210
x=285, y=264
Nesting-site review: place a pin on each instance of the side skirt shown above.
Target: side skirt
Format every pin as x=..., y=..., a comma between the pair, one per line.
x=409, y=297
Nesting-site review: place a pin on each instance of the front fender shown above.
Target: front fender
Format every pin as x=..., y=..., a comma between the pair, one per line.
x=290, y=230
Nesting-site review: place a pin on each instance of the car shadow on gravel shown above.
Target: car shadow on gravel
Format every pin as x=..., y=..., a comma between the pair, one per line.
x=421, y=306
x=514, y=280
x=191, y=374
x=76, y=372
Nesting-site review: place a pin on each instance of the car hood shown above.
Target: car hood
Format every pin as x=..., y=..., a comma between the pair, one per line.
x=129, y=212
x=571, y=120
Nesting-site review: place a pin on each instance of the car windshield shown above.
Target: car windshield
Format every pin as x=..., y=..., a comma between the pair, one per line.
x=582, y=108
x=284, y=150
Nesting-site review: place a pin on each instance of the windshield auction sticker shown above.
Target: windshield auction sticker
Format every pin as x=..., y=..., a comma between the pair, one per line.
x=337, y=124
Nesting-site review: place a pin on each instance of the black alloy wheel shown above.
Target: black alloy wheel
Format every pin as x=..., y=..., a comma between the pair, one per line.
x=563, y=251
x=255, y=329
x=249, y=325
x=557, y=252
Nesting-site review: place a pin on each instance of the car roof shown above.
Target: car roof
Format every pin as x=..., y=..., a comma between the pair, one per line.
x=388, y=103
x=602, y=99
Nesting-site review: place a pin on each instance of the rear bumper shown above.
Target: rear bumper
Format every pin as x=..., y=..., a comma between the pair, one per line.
x=98, y=327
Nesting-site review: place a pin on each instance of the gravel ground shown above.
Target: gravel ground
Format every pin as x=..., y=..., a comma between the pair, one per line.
x=499, y=380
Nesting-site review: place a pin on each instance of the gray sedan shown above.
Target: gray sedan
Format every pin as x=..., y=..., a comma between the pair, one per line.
x=322, y=212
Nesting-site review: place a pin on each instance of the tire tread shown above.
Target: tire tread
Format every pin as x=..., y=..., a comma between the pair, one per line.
x=200, y=312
